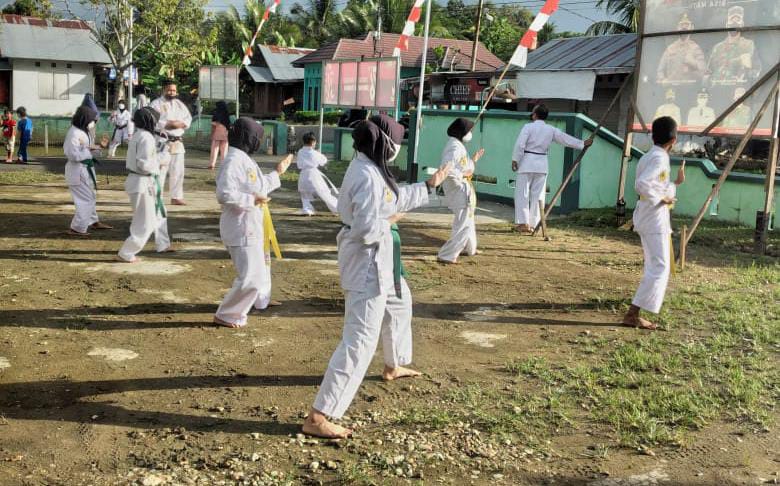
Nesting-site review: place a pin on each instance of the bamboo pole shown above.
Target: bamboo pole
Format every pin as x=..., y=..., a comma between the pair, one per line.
x=769, y=186
x=543, y=221
x=578, y=160
x=727, y=170
x=683, y=236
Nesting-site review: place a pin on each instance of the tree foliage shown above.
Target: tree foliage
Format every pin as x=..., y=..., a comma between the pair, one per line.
x=30, y=8
x=627, y=12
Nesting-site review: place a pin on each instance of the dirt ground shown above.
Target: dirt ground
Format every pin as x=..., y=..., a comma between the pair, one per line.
x=112, y=374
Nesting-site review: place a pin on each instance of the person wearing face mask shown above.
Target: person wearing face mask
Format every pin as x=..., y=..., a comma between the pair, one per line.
x=123, y=127
x=144, y=187
x=378, y=302
x=529, y=162
x=701, y=115
x=733, y=60
x=242, y=188
x=460, y=193
x=175, y=119
x=80, y=172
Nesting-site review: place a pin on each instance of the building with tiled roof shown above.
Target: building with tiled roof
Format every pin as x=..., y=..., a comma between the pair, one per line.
x=278, y=84
x=444, y=54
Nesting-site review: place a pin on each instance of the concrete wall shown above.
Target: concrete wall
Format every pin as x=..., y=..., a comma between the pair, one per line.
x=343, y=149
x=25, y=87
x=595, y=184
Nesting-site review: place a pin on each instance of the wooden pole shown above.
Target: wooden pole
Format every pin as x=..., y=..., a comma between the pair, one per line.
x=577, y=161
x=543, y=221
x=683, y=236
x=769, y=186
x=476, y=36
x=727, y=170
x=420, y=100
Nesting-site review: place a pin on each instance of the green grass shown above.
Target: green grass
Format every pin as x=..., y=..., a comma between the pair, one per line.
x=28, y=177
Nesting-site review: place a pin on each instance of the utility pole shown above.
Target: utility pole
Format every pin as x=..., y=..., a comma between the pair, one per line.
x=476, y=36
x=130, y=77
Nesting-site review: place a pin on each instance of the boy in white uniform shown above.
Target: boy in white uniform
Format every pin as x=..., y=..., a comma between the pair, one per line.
x=123, y=128
x=144, y=187
x=311, y=182
x=241, y=189
x=378, y=303
x=529, y=161
x=460, y=193
x=80, y=173
x=175, y=119
x=652, y=221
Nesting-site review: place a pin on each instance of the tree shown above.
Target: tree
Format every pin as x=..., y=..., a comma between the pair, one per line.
x=316, y=19
x=627, y=12
x=30, y=8
x=501, y=37
x=163, y=36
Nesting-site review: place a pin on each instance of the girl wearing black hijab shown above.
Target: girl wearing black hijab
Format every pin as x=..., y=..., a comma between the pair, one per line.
x=460, y=193
x=144, y=187
x=377, y=299
x=220, y=123
x=241, y=190
x=80, y=173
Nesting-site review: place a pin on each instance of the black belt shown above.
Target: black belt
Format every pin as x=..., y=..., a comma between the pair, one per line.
x=139, y=174
x=535, y=153
x=175, y=139
x=120, y=127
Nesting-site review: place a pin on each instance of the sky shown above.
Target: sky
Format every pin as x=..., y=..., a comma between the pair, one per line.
x=573, y=15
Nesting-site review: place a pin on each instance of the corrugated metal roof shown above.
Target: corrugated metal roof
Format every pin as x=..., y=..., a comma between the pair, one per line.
x=279, y=61
x=260, y=74
x=459, y=50
x=31, y=38
x=603, y=54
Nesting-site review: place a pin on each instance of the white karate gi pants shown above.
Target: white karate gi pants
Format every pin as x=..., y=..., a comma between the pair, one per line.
x=658, y=254
x=85, y=200
x=121, y=135
x=323, y=192
x=146, y=221
x=176, y=176
x=252, y=286
x=529, y=190
x=367, y=316
x=463, y=236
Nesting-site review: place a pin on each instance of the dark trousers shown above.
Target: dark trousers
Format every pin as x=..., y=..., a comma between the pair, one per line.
x=22, y=154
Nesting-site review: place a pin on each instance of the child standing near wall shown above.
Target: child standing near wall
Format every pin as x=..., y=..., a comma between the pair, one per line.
x=9, y=134
x=24, y=128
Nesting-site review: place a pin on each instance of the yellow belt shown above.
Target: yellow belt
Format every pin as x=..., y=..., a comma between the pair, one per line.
x=269, y=234
x=472, y=193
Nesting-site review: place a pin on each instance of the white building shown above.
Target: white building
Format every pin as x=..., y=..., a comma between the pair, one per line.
x=47, y=66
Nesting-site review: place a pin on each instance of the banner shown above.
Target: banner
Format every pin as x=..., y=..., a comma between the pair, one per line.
x=369, y=84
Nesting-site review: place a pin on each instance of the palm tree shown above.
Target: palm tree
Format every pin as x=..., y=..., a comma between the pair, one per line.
x=315, y=18
x=362, y=16
x=627, y=12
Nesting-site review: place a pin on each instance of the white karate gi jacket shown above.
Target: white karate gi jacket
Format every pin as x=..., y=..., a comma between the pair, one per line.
x=142, y=158
x=308, y=162
x=122, y=119
x=653, y=183
x=537, y=137
x=456, y=188
x=239, y=180
x=365, y=203
x=76, y=148
x=172, y=110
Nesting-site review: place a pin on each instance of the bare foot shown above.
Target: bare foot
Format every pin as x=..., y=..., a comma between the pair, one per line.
x=178, y=202
x=274, y=303
x=133, y=260
x=101, y=226
x=390, y=374
x=319, y=426
x=170, y=249
x=222, y=323
x=446, y=262
x=212, y=167
x=73, y=232
x=639, y=323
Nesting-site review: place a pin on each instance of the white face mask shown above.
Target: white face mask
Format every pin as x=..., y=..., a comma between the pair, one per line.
x=91, y=125
x=467, y=138
x=121, y=107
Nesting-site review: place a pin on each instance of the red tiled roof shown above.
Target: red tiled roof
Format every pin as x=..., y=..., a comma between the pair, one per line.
x=457, y=50
x=37, y=22
x=288, y=50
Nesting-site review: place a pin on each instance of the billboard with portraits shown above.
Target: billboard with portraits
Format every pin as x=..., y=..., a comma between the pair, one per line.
x=699, y=56
x=368, y=84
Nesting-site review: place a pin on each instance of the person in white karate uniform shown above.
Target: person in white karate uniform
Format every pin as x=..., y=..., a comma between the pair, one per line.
x=311, y=182
x=459, y=192
x=378, y=303
x=652, y=221
x=144, y=187
x=123, y=127
x=80, y=172
x=175, y=119
x=241, y=189
x=529, y=162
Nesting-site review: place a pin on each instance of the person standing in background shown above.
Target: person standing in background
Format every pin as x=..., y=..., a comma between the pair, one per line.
x=24, y=128
x=220, y=123
x=175, y=119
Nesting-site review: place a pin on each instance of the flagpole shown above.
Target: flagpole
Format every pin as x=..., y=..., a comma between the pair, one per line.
x=422, y=85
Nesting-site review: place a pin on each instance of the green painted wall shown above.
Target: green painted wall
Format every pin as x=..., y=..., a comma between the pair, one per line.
x=345, y=152
x=595, y=184
x=312, y=82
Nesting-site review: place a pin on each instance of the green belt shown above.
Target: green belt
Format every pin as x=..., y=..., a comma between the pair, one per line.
x=398, y=266
x=90, y=163
x=158, y=203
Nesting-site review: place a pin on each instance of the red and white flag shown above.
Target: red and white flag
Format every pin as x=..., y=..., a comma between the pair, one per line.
x=268, y=11
x=411, y=21
x=528, y=40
